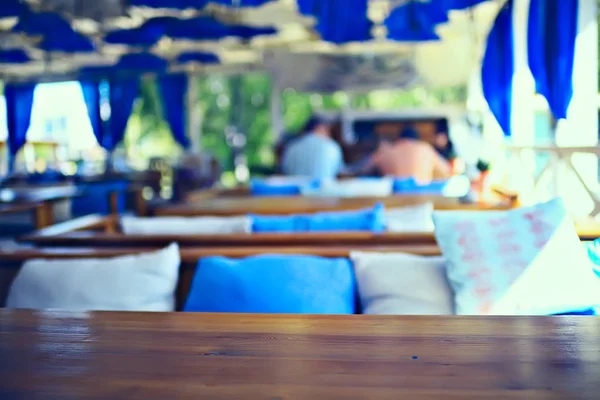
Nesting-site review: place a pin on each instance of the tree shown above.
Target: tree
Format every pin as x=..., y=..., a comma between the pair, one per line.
x=219, y=95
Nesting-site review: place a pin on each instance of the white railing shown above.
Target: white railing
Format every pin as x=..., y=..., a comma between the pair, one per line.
x=565, y=173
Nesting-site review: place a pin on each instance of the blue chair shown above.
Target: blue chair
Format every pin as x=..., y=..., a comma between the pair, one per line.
x=95, y=200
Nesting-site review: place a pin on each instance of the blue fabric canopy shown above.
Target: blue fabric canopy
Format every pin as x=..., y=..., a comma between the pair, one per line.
x=551, y=48
x=198, y=28
x=13, y=57
x=497, y=69
x=147, y=35
x=415, y=22
x=91, y=96
x=308, y=7
x=123, y=93
x=128, y=64
x=448, y=5
x=203, y=58
x=12, y=8
x=339, y=21
x=198, y=4
x=19, y=102
x=176, y=4
x=57, y=34
x=174, y=90
x=142, y=62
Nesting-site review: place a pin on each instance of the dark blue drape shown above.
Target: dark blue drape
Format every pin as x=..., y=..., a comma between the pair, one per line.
x=174, y=90
x=91, y=96
x=339, y=21
x=19, y=103
x=551, y=48
x=122, y=96
x=497, y=69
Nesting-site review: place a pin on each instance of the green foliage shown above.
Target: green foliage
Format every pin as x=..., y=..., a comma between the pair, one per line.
x=217, y=99
x=148, y=135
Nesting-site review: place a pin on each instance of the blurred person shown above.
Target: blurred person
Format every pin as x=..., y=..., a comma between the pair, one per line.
x=195, y=170
x=315, y=153
x=410, y=157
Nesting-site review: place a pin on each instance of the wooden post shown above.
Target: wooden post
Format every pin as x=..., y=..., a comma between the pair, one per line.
x=113, y=201
x=44, y=215
x=140, y=205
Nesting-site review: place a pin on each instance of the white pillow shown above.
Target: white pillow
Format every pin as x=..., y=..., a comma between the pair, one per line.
x=358, y=187
x=410, y=219
x=144, y=282
x=528, y=261
x=185, y=225
x=402, y=284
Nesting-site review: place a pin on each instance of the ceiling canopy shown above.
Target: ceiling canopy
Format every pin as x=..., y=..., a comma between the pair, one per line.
x=66, y=39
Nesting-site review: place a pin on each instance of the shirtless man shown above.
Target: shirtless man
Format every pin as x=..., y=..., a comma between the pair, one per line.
x=409, y=156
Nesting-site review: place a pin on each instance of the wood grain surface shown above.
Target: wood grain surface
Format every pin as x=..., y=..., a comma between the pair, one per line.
x=289, y=205
x=11, y=259
x=98, y=231
x=190, y=255
x=99, y=239
x=248, y=356
x=36, y=195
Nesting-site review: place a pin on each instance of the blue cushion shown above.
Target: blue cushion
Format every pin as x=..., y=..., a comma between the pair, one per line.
x=371, y=220
x=404, y=185
x=262, y=188
x=273, y=284
x=265, y=189
x=588, y=311
x=410, y=186
x=593, y=249
x=48, y=176
x=276, y=223
x=433, y=187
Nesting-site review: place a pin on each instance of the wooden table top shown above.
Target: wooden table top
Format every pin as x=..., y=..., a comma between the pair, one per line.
x=236, y=205
x=8, y=209
x=249, y=356
x=35, y=195
x=191, y=255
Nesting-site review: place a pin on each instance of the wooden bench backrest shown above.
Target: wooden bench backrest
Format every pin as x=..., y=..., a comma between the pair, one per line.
x=234, y=205
x=104, y=231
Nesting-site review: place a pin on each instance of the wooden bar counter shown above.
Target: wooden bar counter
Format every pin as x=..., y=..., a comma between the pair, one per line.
x=246, y=356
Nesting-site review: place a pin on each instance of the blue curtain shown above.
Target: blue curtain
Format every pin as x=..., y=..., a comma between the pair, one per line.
x=19, y=102
x=174, y=90
x=497, y=69
x=122, y=94
x=551, y=48
x=91, y=96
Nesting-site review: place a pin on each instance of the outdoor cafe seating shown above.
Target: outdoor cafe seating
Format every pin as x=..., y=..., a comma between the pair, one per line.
x=204, y=274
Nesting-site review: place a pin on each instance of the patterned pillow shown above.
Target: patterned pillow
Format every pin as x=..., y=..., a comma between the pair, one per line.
x=527, y=261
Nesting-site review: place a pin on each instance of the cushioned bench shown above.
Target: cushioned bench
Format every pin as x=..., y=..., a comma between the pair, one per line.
x=294, y=279
x=522, y=261
x=102, y=231
x=12, y=259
